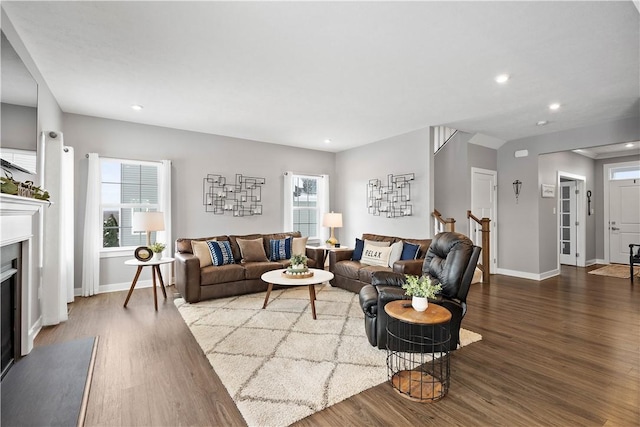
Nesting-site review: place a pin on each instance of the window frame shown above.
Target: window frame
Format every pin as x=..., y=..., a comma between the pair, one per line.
x=317, y=208
x=112, y=252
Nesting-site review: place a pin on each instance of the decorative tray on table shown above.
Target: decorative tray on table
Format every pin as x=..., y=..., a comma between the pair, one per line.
x=297, y=273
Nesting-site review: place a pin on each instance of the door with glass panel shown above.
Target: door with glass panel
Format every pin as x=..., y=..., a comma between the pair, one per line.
x=568, y=223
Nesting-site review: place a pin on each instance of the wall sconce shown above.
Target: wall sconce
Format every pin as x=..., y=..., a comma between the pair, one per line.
x=517, y=185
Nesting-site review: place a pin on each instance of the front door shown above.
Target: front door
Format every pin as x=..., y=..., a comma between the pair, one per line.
x=624, y=218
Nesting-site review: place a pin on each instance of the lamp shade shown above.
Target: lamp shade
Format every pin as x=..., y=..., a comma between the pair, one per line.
x=148, y=221
x=332, y=220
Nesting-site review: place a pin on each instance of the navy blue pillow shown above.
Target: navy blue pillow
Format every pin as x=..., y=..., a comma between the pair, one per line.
x=220, y=252
x=357, y=251
x=409, y=251
x=280, y=249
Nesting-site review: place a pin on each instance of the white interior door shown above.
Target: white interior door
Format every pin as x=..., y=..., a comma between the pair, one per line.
x=484, y=204
x=568, y=223
x=624, y=218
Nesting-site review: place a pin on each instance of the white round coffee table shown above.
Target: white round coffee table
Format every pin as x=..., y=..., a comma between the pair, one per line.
x=275, y=277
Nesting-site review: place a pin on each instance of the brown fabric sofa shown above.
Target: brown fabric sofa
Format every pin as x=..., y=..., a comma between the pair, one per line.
x=353, y=275
x=198, y=284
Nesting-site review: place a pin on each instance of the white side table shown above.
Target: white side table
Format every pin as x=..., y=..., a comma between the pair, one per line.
x=155, y=268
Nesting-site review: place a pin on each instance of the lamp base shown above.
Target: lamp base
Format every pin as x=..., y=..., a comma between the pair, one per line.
x=332, y=241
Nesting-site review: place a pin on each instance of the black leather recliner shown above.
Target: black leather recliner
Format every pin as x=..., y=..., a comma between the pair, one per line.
x=451, y=260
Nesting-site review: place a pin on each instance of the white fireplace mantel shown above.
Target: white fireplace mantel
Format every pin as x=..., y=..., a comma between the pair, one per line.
x=21, y=221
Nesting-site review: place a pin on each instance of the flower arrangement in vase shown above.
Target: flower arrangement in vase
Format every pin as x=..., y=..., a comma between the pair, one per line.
x=420, y=288
x=298, y=262
x=157, y=249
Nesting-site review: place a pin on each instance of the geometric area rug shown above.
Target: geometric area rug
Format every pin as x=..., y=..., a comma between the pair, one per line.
x=616, y=270
x=278, y=364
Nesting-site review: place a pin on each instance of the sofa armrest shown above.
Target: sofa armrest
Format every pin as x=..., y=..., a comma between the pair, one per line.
x=409, y=266
x=188, y=276
x=317, y=255
x=337, y=256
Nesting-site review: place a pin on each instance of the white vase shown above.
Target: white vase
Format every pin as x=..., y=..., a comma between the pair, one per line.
x=419, y=303
x=157, y=256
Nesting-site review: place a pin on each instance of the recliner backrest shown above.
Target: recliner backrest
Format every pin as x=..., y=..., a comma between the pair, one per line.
x=447, y=260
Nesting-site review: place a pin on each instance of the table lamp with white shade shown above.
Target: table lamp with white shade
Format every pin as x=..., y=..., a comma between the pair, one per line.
x=148, y=222
x=332, y=220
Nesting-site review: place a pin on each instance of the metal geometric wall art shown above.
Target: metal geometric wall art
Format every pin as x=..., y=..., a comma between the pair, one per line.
x=391, y=199
x=241, y=198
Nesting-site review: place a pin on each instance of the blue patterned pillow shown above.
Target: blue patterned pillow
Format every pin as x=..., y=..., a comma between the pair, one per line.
x=280, y=249
x=409, y=251
x=221, y=253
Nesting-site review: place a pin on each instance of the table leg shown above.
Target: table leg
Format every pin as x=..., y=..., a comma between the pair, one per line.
x=312, y=298
x=155, y=295
x=133, y=285
x=266, y=298
x=164, y=292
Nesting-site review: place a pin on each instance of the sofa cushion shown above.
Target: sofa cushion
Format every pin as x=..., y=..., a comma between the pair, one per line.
x=237, y=255
x=376, y=255
x=280, y=249
x=254, y=270
x=396, y=252
x=348, y=269
x=183, y=245
x=201, y=250
x=213, y=275
x=409, y=251
x=220, y=252
x=366, y=272
x=252, y=250
x=275, y=236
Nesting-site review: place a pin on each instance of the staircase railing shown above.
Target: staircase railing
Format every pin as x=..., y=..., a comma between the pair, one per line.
x=441, y=224
x=479, y=233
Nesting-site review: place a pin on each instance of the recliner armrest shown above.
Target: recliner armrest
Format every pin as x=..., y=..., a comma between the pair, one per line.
x=369, y=300
x=408, y=266
x=390, y=293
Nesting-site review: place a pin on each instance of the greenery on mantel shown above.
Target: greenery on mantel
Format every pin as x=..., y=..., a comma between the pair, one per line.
x=22, y=189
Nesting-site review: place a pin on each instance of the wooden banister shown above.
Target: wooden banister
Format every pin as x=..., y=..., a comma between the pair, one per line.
x=443, y=224
x=485, y=229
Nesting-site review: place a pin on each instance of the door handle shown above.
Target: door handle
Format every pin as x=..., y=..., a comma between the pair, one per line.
x=615, y=228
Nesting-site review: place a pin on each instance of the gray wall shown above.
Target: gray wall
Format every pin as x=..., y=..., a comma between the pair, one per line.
x=407, y=153
x=193, y=155
x=549, y=165
x=49, y=118
x=519, y=233
x=18, y=127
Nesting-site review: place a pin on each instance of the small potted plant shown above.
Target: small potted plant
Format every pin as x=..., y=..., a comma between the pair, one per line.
x=298, y=262
x=157, y=249
x=420, y=288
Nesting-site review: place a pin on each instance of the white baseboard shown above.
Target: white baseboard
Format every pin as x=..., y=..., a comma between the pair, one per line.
x=526, y=275
x=601, y=261
x=124, y=286
x=591, y=262
x=32, y=334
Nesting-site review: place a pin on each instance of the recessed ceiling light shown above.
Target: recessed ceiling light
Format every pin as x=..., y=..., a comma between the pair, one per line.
x=554, y=106
x=137, y=107
x=327, y=141
x=502, y=78
x=541, y=123
x=629, y=145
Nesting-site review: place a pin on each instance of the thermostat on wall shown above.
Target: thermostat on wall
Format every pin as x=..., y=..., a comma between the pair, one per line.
x=522, y=153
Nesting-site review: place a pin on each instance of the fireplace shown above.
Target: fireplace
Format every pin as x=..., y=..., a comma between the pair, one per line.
x=10, y=320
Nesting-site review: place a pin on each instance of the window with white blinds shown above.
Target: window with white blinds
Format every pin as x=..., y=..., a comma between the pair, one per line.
x=127, y=187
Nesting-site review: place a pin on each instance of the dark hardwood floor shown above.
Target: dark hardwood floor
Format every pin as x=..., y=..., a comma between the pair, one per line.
x=561, y=352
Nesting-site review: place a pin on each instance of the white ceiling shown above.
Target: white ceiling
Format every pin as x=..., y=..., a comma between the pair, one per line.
x=297, y=73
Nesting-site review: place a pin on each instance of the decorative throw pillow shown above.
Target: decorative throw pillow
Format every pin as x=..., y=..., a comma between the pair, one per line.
x=410, y=251
x=200, y=249
x=396, y=252
x=376, y=243
x=220, y=252
x=376, y=255
x=252, y=250
x=357, y=251
x=299, y=246
x=280, y=249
